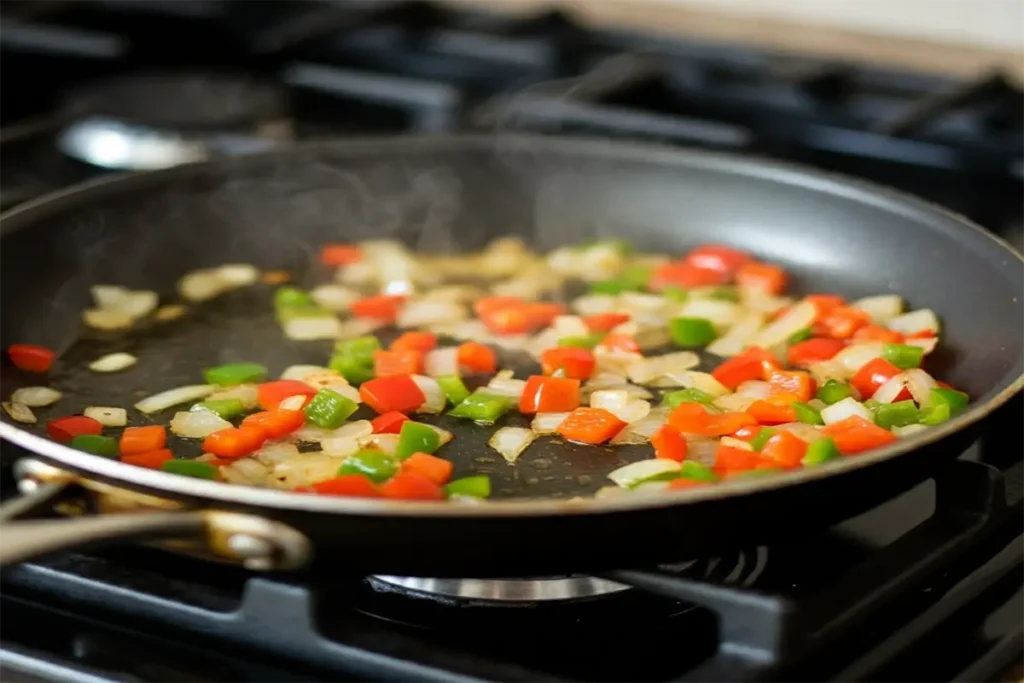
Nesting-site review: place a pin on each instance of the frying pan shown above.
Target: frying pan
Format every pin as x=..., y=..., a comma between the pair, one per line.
x=446, y=193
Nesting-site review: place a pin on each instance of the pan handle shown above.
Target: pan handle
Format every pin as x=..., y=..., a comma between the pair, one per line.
x=258, y=543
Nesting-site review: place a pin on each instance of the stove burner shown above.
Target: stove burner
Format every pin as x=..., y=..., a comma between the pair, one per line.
x=743, y=569
x=145, y=122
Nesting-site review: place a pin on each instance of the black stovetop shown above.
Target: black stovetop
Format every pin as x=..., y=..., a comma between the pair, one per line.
x=925, y=587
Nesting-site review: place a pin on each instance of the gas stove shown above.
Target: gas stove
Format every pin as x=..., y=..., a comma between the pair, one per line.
x=925, y=587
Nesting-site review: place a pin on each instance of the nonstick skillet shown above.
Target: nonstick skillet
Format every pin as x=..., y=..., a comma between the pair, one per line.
x=448, y=193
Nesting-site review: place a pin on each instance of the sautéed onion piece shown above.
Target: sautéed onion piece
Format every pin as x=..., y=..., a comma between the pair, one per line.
x=702, y=359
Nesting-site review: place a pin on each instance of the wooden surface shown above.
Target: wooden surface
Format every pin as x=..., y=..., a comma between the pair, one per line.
x=876, y=49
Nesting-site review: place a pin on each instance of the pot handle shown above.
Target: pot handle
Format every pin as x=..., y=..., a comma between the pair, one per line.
x=258, y=543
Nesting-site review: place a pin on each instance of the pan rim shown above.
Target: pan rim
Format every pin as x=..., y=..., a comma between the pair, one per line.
x=784, y=173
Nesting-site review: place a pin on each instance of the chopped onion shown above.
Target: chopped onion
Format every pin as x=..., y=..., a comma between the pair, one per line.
x=336, y=298
x=107, y=416
x=701, y=450
x=245, y=471
x=854, y=357
x=798, y=317
x=507, y=387
x=823, y=371
x=735, y=403
x=926, y=344
x=511, y=442
x=435, y=399
x=615, y=362
x=641, y=302
x=329, y=379
x=299, y=372
x=443, y=436
x=441, y=362
x=594, y=304
x=358, y=327
x=738, y=336
x=113, y=362
x=642, y=430
x=170, y=312
x=388, y=443
x=808, y=433
x=720, y=313
x=648, y=369
x=109, y=296
x=920, y=384
x=314, y=434
x=305, y=469
x=421, y=313
x=693, y=379
x=921, y=320
x=35, y=397
x=881, y=308
x=570, y=326
x=757, y=299
x=621, y=404
x=342, y=446
x=634, y=473
x=274, y=452
x=312, y=329
x=248, y=394
x=198, y=424
x=890, y=389
x=455, y=293
x=104, y=319
x=173, y=397
x=293, y=402
x=201, y=285
x=19, y=412
x=908, y=430
x=736, y=443
x=238, y=274
x=755, y=389
x=650, y=336
x=650, y=487
x=610, y=492
x=848, y=407
x=547, y=423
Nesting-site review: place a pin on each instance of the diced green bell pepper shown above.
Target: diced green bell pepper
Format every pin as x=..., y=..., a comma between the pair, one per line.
x=416, y=438
x=227, y=408
x=807, y=414
x=899, y=414
x=292, y=297
x=691, y=331
x=190, y=468
x=833, y=392
x=872, y=405
x=903, y=356
x=675, y=294
x=725, y=294
x=956, y=400
x=293, y=313
x=96, y=444
x=235, y=373
x=621, y=246
x=358, y=348
x=758, y=473
x=328, y=409
x=935, y=414
x=691, y=469
x=481, y=407
x=373, y=464
x=820, y=451
x=761, y=438
x=588, y=341
x=352, y=369
x=453, y=387
x=799, y=336
x=674, y=399
x=478, y=486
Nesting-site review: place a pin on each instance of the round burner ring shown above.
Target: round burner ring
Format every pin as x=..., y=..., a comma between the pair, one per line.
x=506, y=590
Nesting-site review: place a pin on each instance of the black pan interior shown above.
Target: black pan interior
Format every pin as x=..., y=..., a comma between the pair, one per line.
x=451, y=194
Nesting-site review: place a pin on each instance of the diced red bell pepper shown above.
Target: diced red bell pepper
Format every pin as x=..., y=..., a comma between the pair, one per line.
x=693, y=418
x=512, y=315
x=590, y=425
x=543, y=313
x=340, y=254
x=825, y=303
x=855, y=434
x=718, y=258
x=605, y=322
x=136, y=440
x=806, y=353
x=726, y=423
x=150, y=460
x=508, y=320
x=878, y=333
x=31, y=358
x=575, y=363
x=550, y=395
x=64, y=429
x=388, y=423
x=732, y=459
x=669, y=444
x=784, y=448
x=685, y=275
x=842, y=322
x=921, y=334
x=872, y=375
x=387, y=363
x=356, y=485
x=763, y=276
x=380, y=307
x=477, y=357
x=489, y=304
x=683, y=483
x=415, y=341
x=753, y=363
x=270, y=394
x=621, y=343
x=795, y=382
x=437, y=470
x=276, y=424
x=770, y=414
x=397, y=393
x=234, y=442
x=411, y=487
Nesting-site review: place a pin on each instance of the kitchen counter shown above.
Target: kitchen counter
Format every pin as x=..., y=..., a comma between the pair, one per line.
x=783, y=35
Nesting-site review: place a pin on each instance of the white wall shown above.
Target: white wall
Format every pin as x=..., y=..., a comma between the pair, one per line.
x=988, y=23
